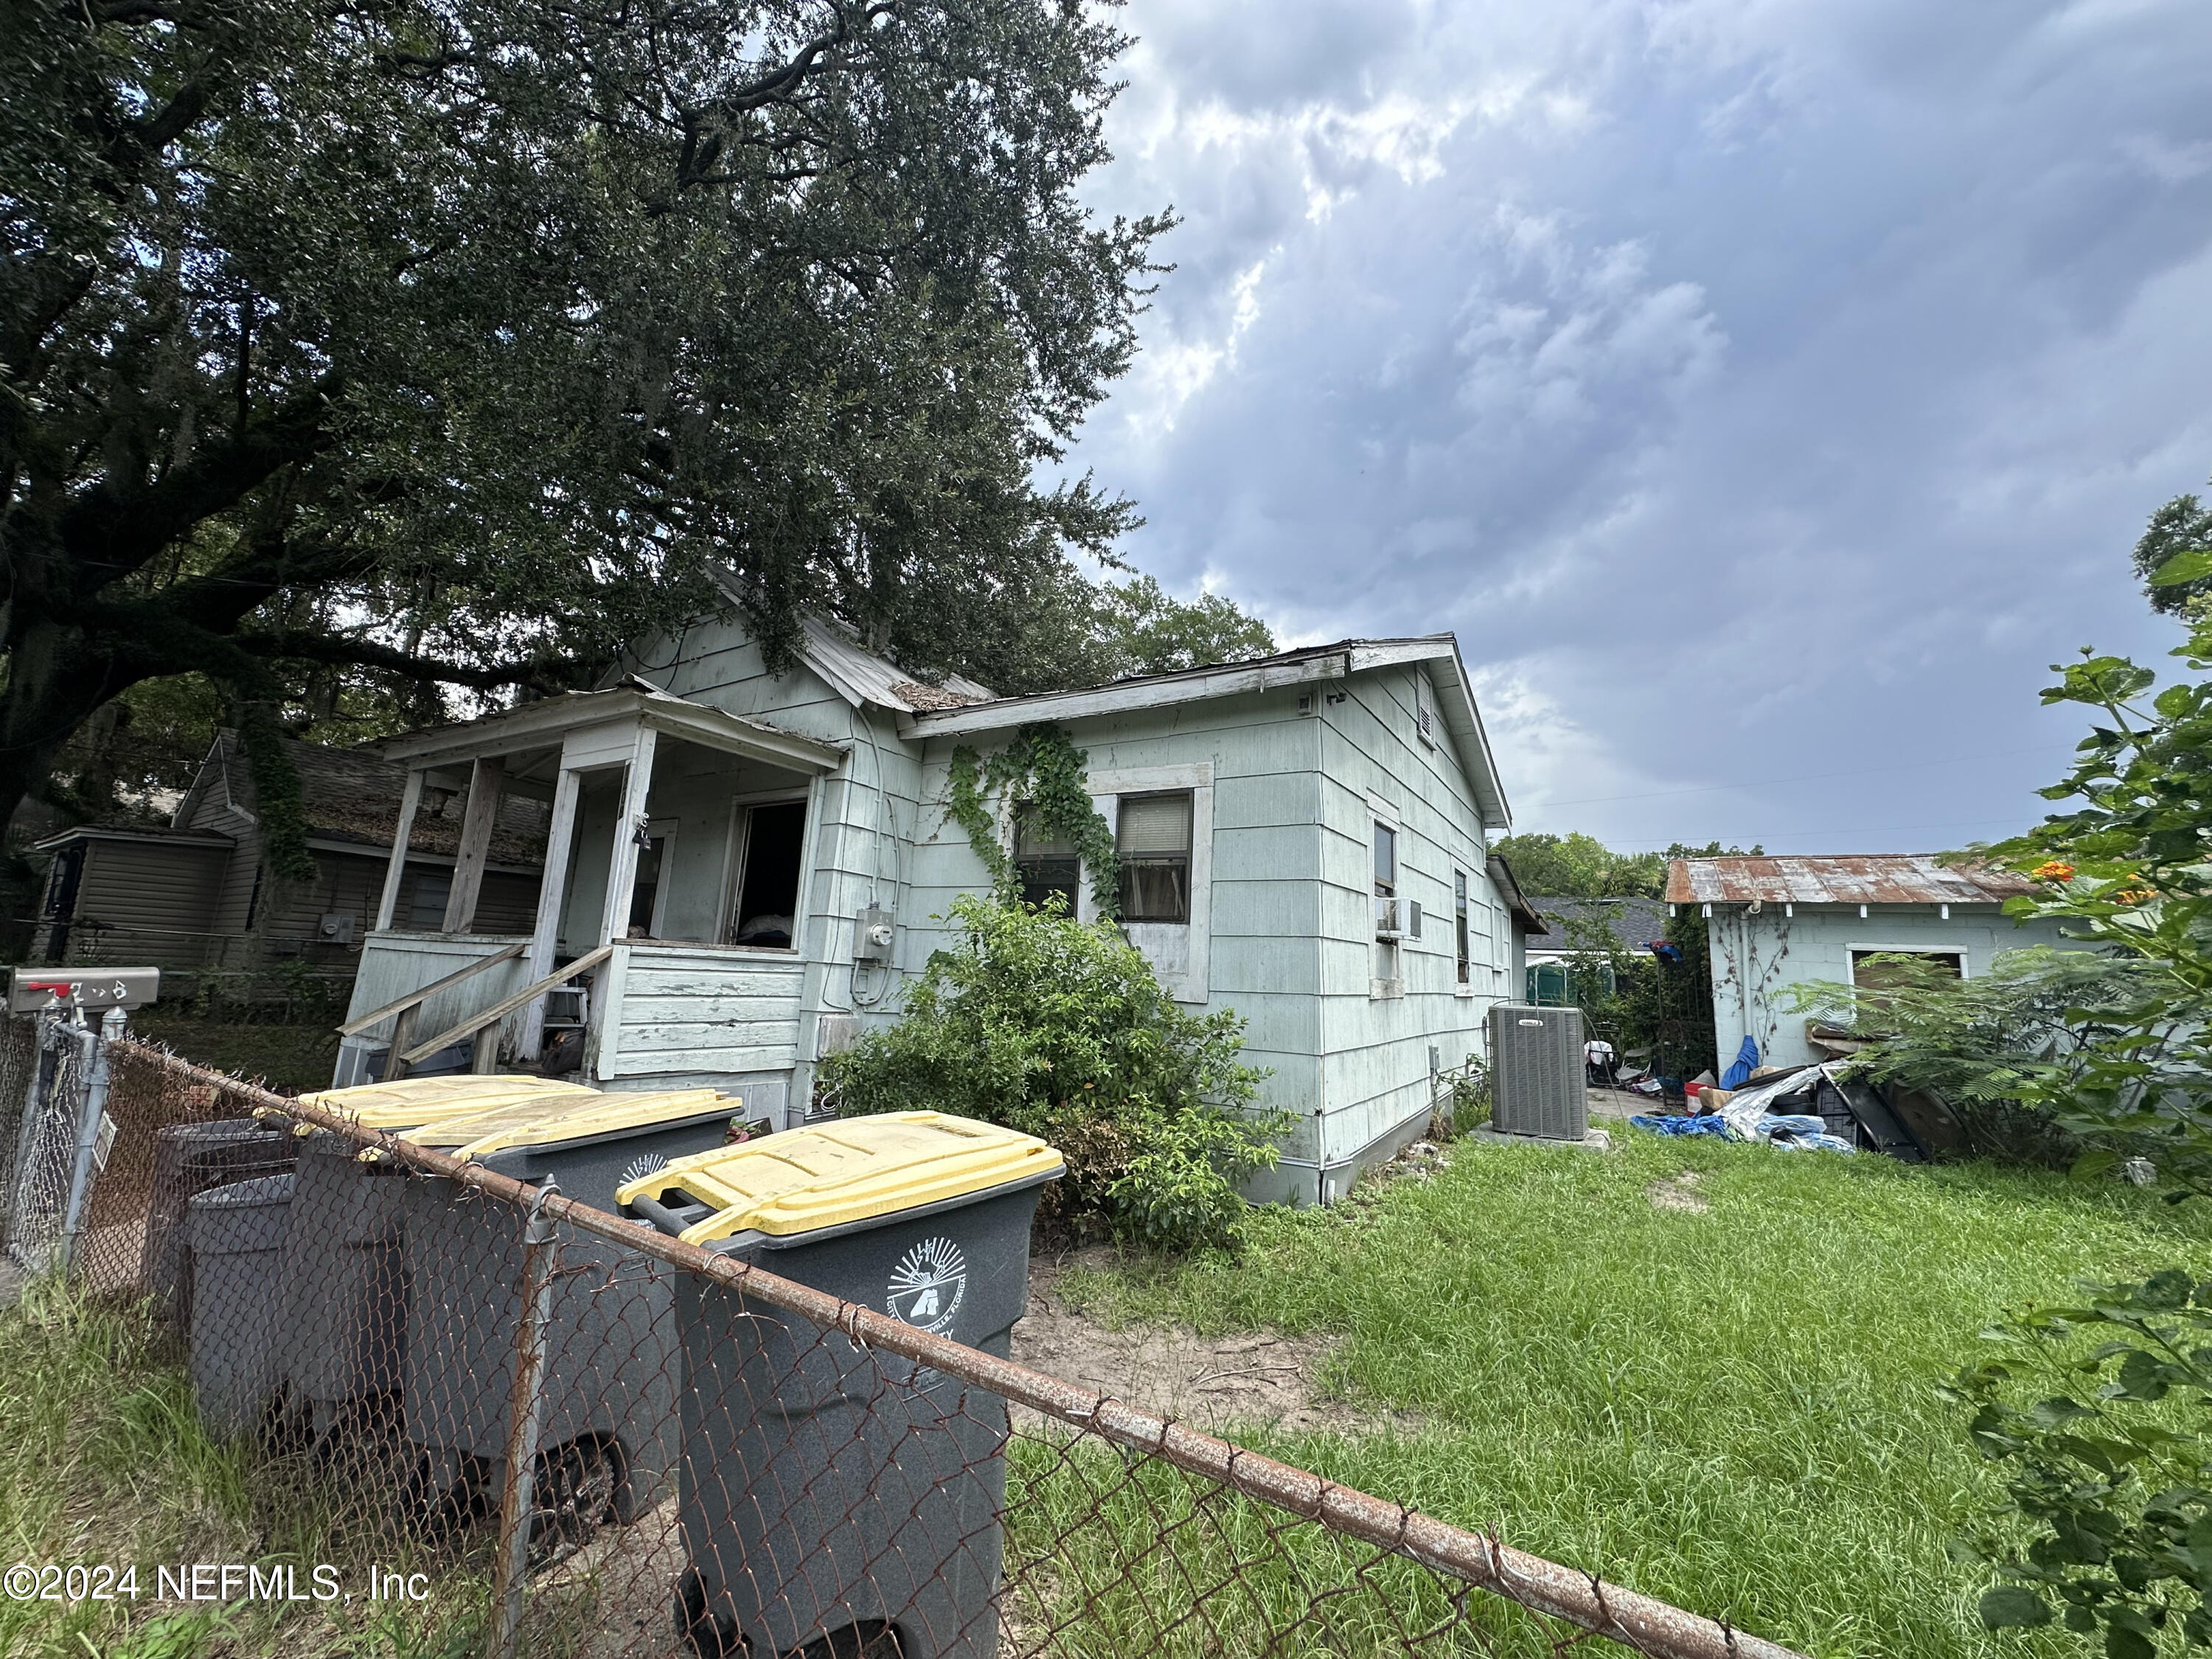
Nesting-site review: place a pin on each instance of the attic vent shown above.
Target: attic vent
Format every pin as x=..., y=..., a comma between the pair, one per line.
x=1424, y=713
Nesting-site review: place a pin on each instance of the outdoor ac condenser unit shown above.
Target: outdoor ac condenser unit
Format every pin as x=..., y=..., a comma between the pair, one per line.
x=1536, y=1071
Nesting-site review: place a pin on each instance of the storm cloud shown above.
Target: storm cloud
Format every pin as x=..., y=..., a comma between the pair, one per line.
x=1765, y=392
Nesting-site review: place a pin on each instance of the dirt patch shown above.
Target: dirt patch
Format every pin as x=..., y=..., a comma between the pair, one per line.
x=1678, y=1193
x=1251, y=1378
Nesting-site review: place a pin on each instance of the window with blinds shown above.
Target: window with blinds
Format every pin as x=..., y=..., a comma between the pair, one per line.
x=1045, y=866
x=1153, y=844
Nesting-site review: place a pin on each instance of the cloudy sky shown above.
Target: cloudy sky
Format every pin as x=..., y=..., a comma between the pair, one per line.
x=1766, y=391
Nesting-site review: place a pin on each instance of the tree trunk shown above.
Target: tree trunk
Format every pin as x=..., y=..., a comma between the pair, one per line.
x=55, y=683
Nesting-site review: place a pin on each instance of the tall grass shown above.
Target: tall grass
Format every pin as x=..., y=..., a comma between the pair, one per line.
x=1734, y=1409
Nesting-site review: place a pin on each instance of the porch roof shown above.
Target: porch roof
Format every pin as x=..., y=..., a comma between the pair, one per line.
x=545, y=723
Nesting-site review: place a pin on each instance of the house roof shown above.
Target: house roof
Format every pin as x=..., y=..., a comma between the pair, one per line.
x=1456, y=702
x=353, y=795
x=1501, y=878
x=167, y=834
x=542, y=724
x=1842, y=879
x=1632, y=922
x=860, y=676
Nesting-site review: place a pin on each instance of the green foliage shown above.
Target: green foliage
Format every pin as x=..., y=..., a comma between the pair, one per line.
x=1073, y=632
x=1580, y=866
x=1472, y=1098
x=2131, y=868
x=1042, y=773
x=2102, y=1420
x=464, y=339
x=2182, y=528
x=276, y=795
x=1998, y=1046
x=1059, y=1029
x=1660, y=1012
x=1577, y=866
x=2113, y=1488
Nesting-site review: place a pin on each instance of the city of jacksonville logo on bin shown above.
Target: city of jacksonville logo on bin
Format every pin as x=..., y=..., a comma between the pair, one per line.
x=928, y=1284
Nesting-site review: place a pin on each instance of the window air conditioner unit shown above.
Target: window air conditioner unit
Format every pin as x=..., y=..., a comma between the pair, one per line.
x=1389, y=914
x=1536, y=1071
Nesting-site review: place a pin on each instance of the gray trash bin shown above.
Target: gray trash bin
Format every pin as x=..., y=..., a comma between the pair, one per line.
x=830, y=1495
x=344, y=1329
x=609, y=1435
x=188, y=1159
x=236, y=1237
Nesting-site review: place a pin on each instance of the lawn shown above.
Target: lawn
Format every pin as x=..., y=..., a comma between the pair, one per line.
x=1733, y=1408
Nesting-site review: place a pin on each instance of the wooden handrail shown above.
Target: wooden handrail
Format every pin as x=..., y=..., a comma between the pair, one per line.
x=355, y=1027
x=500, y=1011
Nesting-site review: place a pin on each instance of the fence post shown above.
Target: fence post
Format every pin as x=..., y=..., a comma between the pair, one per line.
x=98, y=1070
x=526, y=1419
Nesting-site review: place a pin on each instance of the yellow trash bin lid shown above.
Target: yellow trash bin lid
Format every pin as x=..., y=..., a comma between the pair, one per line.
x=543, y=1122
x=411, y=1101
x=854, y=1169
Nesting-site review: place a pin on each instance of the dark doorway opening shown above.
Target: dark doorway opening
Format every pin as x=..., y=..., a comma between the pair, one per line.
x=767, y=895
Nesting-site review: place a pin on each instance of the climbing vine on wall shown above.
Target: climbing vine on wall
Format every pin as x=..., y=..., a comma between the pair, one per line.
x=276, y=794
x=1043, y=772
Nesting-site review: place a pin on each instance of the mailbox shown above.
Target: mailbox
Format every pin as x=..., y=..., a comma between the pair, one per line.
x=32, y=990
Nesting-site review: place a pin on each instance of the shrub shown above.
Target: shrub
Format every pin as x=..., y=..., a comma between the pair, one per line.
x=1059, y=1029
x=2101, y=1423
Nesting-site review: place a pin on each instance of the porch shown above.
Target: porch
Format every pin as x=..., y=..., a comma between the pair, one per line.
x=665, y=942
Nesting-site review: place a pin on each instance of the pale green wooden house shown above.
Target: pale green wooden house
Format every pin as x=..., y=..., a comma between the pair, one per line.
x=747, y=868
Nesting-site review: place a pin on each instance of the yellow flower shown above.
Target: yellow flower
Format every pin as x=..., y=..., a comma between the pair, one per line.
x=2054, y=870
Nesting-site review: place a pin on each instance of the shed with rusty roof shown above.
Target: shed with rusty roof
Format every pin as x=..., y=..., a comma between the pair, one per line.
x=1774, y=924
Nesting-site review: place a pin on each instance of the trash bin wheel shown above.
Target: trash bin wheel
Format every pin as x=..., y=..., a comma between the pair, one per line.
x=709, y=1635
x=871, y=1638
x=573, y=1494
x=438, y=1509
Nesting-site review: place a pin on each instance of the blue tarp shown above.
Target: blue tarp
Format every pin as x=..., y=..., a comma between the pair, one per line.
x=1747, y=1061
x=1709, y=1125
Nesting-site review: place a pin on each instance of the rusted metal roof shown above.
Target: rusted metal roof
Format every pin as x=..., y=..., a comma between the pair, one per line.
x=1852, y=878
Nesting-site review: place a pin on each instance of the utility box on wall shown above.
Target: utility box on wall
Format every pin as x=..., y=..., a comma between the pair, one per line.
x=1536, y=1071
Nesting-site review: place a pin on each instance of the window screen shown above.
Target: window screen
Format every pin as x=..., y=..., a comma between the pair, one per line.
x=1886, y=970
x=1045, y=866
x=1153, y=843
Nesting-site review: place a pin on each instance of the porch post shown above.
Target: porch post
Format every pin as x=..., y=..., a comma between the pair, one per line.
x=552, y=893
x=388, y=906
x=484, y=779
x=621, y=861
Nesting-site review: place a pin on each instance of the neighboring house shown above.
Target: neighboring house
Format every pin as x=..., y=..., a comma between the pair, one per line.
x=752, y=867
x=1577, y=925
x=198, y=892
x=1777, y=922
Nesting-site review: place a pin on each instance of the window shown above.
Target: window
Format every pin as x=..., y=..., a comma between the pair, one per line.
x=1045, y=866
x=1386, y=869
x=1461, y=957
x=426, y=910
x=644, y=888
x=1153, y=843
x=1869, y=974
x=768, y=889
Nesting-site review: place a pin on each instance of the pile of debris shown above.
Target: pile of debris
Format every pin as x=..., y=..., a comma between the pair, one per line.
x=1819, y=1107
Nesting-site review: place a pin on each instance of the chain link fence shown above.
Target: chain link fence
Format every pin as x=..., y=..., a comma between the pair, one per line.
x=513, y=1423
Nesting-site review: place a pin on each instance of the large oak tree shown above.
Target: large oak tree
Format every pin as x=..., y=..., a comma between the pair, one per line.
x=448, y=340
